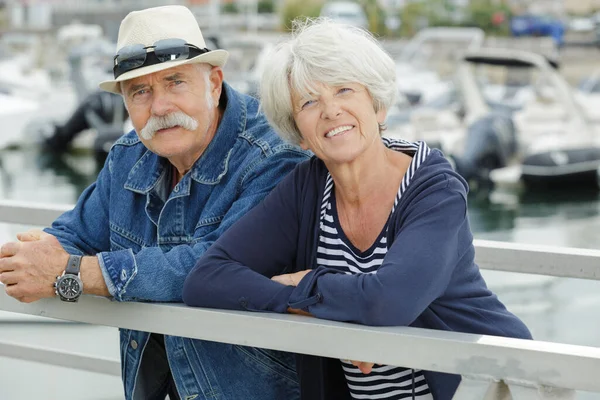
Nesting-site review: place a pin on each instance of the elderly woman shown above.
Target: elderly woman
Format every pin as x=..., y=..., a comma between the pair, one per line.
x=370, y=230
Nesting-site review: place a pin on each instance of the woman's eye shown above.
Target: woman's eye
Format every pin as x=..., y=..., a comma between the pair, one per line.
x=344, y=90
x=308, y=104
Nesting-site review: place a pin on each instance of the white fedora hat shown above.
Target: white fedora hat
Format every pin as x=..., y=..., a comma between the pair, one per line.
x=146, y=27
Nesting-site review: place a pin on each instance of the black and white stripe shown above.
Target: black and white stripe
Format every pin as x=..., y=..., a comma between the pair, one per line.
x=336, y=251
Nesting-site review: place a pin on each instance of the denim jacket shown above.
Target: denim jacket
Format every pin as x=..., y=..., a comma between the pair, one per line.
x=147, y=237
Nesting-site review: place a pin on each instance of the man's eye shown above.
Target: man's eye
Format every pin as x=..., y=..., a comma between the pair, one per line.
x=140, y=95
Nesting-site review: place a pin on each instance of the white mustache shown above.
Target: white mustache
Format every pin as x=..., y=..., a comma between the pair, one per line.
x=174, y=119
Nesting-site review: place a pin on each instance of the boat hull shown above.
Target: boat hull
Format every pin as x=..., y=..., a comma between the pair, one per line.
x=564, y=167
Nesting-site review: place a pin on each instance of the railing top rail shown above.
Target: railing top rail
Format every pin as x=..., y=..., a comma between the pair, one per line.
x=565, y=262
x=475, y=356
x=30, y=213
x=501, y=256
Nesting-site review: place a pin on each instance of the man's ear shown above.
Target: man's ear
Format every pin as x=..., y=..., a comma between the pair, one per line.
x=216, y=83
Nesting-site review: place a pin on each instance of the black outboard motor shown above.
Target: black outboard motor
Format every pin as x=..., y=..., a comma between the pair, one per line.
x=102, y=111
x=491, y=142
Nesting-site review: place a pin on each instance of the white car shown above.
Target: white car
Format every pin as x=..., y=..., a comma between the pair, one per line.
x=346, y=12
x=582, y=24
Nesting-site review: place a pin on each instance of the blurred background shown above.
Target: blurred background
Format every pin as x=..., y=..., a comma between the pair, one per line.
x=508, y=89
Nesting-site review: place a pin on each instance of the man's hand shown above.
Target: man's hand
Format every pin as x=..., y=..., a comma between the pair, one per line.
x=37, y=234
x=91, y=274
x=29, y=268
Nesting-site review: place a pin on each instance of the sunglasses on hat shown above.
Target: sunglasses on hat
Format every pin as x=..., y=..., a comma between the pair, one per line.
x=137, y=55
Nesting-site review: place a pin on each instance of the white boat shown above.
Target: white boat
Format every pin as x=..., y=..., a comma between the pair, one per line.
x=418, y=79
x=19, y=76
x=15, y=114
x=549, y=140
x=247, y=59
x=587, y=94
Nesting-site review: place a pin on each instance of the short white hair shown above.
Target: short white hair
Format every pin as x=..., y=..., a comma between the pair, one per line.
x=328, y=52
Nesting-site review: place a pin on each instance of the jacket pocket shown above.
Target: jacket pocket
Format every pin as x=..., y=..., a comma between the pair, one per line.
x=206, y=226
x=280, y=363
x=121, y=239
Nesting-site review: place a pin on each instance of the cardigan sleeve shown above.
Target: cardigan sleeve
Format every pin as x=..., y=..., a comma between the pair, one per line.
x=235, y=271
x=415, y=271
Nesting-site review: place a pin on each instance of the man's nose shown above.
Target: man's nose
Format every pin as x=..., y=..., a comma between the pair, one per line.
x=162, y=104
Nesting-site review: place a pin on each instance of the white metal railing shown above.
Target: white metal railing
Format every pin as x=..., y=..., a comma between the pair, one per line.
x=500, y=256
x=527, y=369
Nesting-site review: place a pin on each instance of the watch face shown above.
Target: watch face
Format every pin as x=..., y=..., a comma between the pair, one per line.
x=69, y=287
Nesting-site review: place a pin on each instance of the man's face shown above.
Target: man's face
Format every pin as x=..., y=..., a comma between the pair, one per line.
x=175, y=111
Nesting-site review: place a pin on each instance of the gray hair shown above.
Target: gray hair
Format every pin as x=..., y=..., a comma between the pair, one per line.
x=323, y=51
x=205, y=69
x=177, y=118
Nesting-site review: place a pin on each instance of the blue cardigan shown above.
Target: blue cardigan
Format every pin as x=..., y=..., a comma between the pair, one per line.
x=428, y=278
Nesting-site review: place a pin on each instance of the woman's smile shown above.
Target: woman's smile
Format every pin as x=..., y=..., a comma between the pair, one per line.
x=338, y=131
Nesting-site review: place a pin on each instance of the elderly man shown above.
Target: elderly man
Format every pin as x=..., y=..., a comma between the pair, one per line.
x=200, y=157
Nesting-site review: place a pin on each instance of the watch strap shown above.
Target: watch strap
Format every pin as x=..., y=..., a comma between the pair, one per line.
x=73, y=265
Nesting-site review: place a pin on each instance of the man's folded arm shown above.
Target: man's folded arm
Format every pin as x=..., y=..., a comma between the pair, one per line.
x=163, y=273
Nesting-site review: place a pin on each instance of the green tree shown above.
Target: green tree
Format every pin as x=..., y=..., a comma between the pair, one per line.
x=293, y=9
x=266, y=7
x=438, y=13
x=375, y=15
x=230, y=8
x=482, y=14
x=413, y=17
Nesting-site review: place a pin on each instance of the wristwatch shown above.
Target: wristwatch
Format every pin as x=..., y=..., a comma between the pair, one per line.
x=68, y=286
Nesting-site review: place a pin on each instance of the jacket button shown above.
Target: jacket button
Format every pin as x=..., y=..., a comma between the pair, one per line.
x=133, y=344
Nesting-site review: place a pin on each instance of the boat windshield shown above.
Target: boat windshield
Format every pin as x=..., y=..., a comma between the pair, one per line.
x=510, y=88
x=437, y=47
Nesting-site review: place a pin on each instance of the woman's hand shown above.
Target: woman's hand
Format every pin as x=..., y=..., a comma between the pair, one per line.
x=299, y=312
x=293, y=280
x=290, y=279
x=365, y=367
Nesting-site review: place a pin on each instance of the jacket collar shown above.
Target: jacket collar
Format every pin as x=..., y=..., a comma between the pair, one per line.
x=212, y=164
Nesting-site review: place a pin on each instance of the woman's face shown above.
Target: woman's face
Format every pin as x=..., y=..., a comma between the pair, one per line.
x=338, y=123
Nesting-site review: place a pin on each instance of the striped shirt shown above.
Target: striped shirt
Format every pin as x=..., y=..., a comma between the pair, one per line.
x=336, y=251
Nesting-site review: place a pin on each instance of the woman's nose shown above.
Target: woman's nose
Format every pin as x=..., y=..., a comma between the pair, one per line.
x=330, y=109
